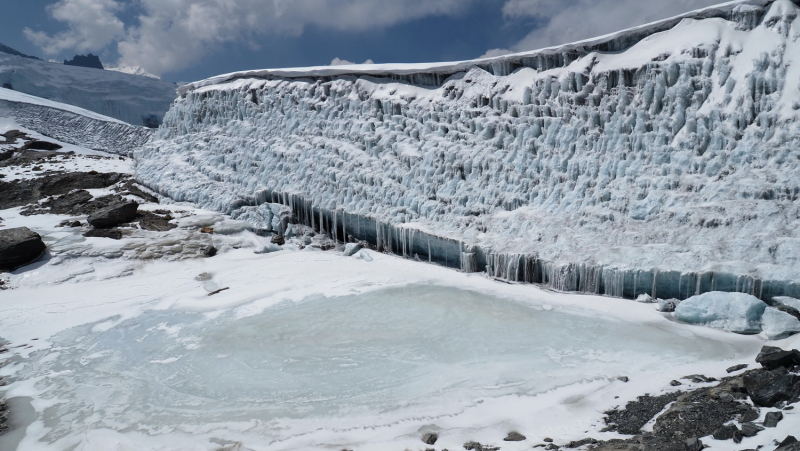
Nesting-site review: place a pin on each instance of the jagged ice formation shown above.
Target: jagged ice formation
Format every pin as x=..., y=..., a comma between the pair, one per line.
x=661, y=159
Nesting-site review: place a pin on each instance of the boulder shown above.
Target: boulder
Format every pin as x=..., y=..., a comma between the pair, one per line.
x=768, y=388
x=789, y=444
x=736, y=368
x=514, y=437
x=430, y=438
x=772, y=357
x=18, y=247
x=280, y=241
x=114, y=215
x=772, y=419
x=694, y=444
x=750, y=429
x=727, y=433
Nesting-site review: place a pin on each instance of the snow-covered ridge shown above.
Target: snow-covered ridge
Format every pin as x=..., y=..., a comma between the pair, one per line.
x=670, y=151
x=746, y=12
x=71, y=124
x=134, y=99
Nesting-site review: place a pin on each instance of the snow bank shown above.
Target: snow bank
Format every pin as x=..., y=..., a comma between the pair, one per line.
x=134, y=99
x=734, y=312
x=663, y=158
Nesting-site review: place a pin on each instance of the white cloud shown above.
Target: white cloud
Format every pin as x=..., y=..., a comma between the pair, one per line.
x=341, y=62
x=495, y=52
x=572, y=20
x=173, y=34
x=93, y=25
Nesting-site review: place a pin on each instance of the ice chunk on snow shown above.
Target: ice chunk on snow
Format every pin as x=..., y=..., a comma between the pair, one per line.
x=365, y=255
x=778, y=324
x=668, y=305
x=645, y=299
x=734, y=312
x=351, y=248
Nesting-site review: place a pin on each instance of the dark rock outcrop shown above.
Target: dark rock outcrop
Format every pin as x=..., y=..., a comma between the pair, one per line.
x=771, y=358
x=636, y=414
x=114, y=234
x=114, y=215
x=768, y=388
x=91, y=61
x=514, y=437
x=18, y=247
x=22, y=192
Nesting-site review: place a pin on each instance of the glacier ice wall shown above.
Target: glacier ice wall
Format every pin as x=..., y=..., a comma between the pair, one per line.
x=68, y=125
x=670, y=150
x=134, y=99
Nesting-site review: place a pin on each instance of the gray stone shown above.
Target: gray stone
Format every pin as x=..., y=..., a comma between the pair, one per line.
x=18, y=247
x=736, y=368
x=694, y=444
x=114, y=215
x=514, y=437
x=768, y=388
x=430, y=438
x=727, y=433
x=772, y=357
x=750, y=429
x=772, y=419
x=278, y=239
x=114, y=234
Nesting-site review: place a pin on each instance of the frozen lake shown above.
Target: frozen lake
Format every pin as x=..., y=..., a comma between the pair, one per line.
x=331, y=372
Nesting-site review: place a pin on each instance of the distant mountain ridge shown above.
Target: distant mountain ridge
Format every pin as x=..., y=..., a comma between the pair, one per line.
x=6, y=49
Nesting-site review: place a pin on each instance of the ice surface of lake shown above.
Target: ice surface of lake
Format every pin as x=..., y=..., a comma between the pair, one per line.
x=328, y=371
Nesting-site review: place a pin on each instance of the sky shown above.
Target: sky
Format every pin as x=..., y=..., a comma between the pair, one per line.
x=187, y=40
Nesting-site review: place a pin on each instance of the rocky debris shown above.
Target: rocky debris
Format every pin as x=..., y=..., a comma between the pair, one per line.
x=578, y=443
x=210, y=251
x=22, y=192
x=768, y=388
x=736, y=368
x=675, y=383
x=788, y=444
x=772, y=419
x=751, y=414
x=3, y=416
x=514, y=437
x=218, y=291
x=702, y=412
x=113, y=215
x=694, y=444
x=12, y=136
x=23, y=157
x=280, y=240
x=636, y=414
x=772, y=357
x=475, y=446
x=40, y=145
x=114, y=234
x=18, y=247
x=130, y=187
x=728, y=432
x=206, y=230
x=155, y=221
x=750, y=429
x=75, y=203
x=699, y=378
x=623, y=378
x=430, y=438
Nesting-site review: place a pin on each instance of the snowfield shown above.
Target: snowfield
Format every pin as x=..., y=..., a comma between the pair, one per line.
x=131, y=98
x=611, y=166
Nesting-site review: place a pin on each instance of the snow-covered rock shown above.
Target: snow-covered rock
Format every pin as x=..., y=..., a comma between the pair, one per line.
x=734, y=312
x=133, y=70
x=672, y=148
x=133, y=99
x=778, y=324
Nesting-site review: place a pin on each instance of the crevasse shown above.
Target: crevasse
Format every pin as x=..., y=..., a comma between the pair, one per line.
x=662, y=159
